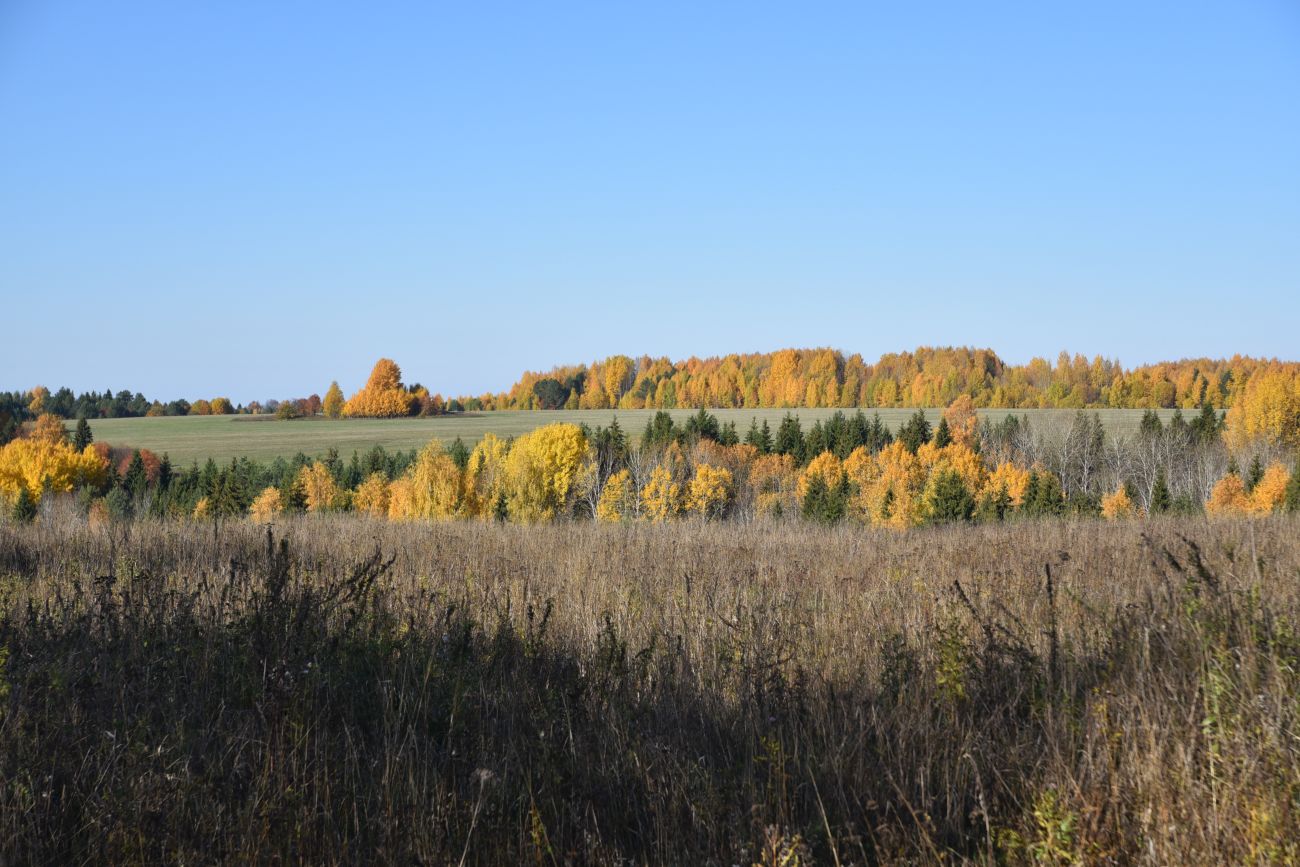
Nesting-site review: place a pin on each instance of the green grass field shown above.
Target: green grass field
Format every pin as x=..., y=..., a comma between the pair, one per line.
x=196, y=438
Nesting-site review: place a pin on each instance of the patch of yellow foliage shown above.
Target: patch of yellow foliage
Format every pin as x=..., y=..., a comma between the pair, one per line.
x=371, y=496
x=43, y=464
x=1118, y=505
x=266, y=505
x=1270, y=492
x=383, y=395
x=318, y=489
x=710, y=491
x=429, y=490
x=1228, y=497
x=617, y=499
x=541, y=469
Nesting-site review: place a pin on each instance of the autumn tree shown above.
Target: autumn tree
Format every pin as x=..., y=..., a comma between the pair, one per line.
x=1228, y=497
x=661, y=496
x=430, y=489
x=200, y=407
x=319, y=491
x=1267, y=409
x=383, y=395
x=617, y=499
x=618, y=371
x=266, y=505
x=541, y=469
x=333, y=403
x=1117, y=505
x=962, y=420
x=1269, y=493
x=49, y=428
x=37, y=465
x=371, y=496
x=993, y=505
x=485, y=478
x=710, y=491
x=221, y=406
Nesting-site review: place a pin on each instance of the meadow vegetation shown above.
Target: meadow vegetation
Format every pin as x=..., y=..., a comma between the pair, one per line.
x=337, y=689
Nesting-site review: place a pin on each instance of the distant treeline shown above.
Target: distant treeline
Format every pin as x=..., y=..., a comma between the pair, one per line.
x=17, y=407
x=928, y=377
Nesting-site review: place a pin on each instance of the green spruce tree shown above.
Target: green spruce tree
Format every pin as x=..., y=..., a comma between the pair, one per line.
x=1254, y=474
x=1161, y=500
x=789, y=438
x=82, y=437
x=949, y=500
x=24, y=511
x=942, y=434
x=915, y=432
x=1292, y=501
x=993, y=506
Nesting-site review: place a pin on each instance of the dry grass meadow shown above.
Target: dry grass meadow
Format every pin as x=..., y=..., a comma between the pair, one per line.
x=345, y=691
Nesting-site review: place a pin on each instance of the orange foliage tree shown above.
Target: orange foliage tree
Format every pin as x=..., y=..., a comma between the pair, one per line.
x=383, y=395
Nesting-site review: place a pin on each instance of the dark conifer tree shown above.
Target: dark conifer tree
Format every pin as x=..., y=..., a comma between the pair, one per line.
x=1161, y=500
x=942, y=434
x=1254, y=474
x=915, y=432
x=703, y=426
x=136, y=480
x=458, y=452
x=165, y=473
x=1151, y=424
x=24, y=511
x=82, y=437
x=814, y=443
x=1207, y=425
x=1292, y=501
x=950, y=501
x=789, y=438
x=993, y=506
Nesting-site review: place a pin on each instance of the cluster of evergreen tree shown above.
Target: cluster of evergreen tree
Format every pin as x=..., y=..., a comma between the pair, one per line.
x=840, y=434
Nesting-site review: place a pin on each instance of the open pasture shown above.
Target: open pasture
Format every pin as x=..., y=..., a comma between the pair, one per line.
x=196, y=438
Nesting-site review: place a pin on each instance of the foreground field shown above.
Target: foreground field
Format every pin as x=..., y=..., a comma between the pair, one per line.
x=360, y=692
x=197, y=438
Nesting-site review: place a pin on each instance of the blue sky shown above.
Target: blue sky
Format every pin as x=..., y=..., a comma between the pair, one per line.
x=252, y=198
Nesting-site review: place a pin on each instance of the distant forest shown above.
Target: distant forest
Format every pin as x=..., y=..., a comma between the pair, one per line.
x=793, y=378
x=928, y=377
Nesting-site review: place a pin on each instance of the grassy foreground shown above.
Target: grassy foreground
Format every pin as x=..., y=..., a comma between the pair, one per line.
x=197, y=438
x=358, y=692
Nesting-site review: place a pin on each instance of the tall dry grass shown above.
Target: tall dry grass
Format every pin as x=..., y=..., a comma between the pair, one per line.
x=348, y=691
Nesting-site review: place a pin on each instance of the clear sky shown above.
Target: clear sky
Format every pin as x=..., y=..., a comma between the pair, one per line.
x=253, y=198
